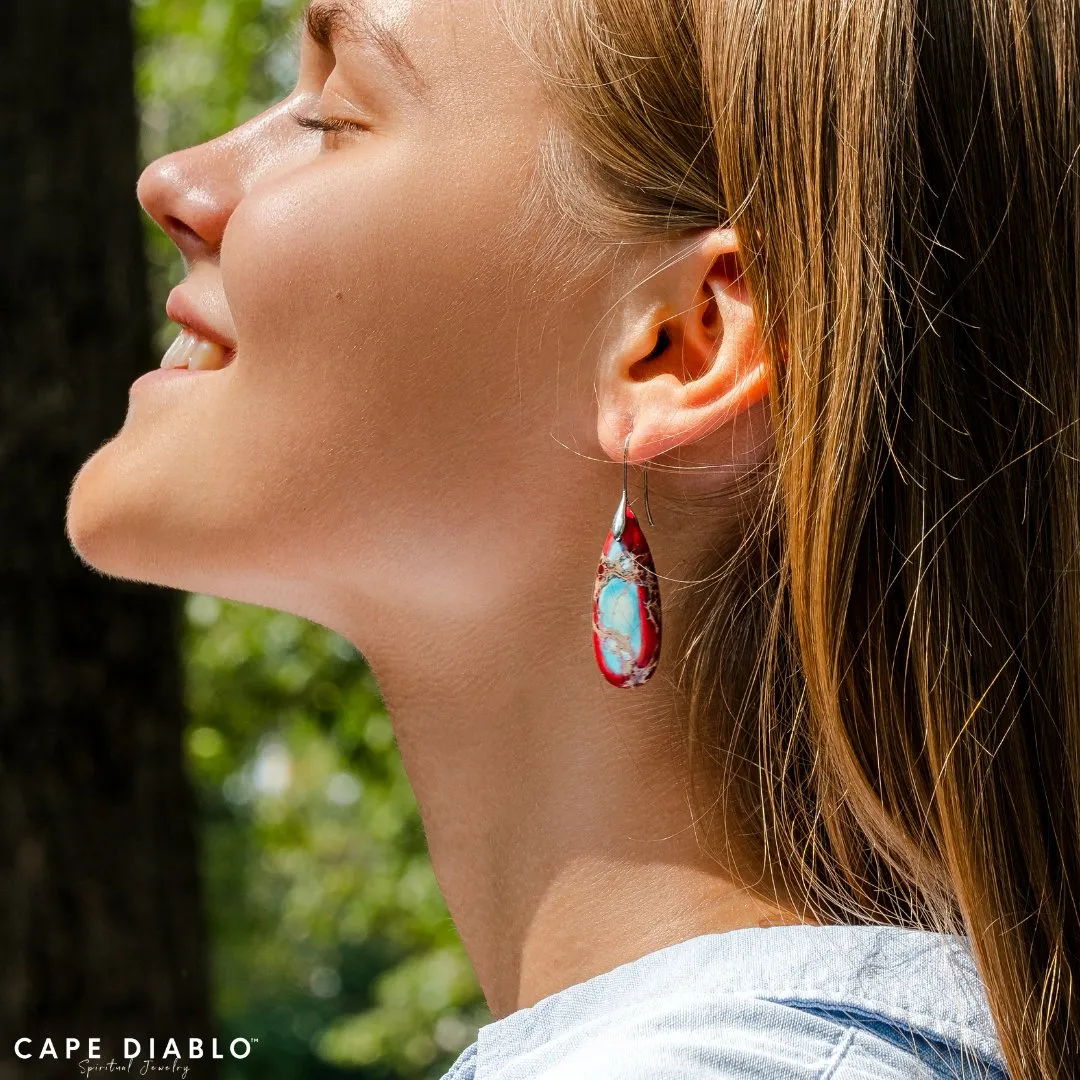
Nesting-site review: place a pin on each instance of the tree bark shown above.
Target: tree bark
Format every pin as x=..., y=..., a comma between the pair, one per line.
x=101, y=925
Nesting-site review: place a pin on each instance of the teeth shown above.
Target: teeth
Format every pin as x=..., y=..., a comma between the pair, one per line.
x=190, y=351
x=176, y=354
x=206, y=356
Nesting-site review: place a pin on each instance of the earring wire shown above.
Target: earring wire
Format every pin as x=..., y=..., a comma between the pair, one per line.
x=620, y=514
x=648, y=512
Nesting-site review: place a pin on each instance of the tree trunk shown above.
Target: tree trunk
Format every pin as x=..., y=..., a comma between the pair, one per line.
x=101, y=927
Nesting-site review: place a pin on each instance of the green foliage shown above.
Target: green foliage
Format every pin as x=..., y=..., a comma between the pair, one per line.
x=331, y=942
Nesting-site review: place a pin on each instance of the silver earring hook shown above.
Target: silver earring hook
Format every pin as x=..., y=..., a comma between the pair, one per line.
x=648, y=512
x=619, y=523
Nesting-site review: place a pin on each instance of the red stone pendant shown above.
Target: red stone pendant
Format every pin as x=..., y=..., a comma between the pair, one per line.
x=626, y=606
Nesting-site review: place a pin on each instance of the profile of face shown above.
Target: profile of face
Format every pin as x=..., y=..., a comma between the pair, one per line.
x=419, y=409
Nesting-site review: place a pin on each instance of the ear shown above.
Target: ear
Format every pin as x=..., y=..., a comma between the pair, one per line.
x=688, y=357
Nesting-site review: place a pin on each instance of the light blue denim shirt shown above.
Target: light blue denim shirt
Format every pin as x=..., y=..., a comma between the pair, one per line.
x=782, y=1003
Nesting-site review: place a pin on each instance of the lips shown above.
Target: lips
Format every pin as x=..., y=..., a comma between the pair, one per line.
x=201, y=345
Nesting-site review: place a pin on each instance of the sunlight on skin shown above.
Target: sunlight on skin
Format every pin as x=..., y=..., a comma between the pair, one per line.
x=416, y=443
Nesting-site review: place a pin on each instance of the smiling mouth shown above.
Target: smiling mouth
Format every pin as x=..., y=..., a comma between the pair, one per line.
x=195, y=353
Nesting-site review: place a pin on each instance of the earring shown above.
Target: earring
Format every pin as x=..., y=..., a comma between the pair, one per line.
x=626, y=599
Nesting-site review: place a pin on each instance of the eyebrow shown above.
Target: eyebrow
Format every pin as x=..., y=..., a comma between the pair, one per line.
x=327, y=21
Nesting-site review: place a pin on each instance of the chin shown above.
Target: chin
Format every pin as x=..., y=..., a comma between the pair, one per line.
x=103, y=527
x=131, y=515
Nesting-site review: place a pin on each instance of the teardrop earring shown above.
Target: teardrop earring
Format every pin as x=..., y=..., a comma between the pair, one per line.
x=626, y=598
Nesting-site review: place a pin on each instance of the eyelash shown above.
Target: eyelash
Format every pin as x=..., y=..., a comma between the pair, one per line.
x=333, y=123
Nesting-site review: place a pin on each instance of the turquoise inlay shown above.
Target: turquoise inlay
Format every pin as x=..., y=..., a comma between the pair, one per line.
x=618, y=611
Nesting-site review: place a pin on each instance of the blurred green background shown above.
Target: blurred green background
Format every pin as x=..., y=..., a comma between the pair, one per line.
x=330, y=939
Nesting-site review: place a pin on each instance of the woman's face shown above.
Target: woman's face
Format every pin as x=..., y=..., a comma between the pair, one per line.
x=385, y=423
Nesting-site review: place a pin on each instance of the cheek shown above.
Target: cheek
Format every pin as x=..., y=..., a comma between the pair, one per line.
x=376, y=356
x=321, y=280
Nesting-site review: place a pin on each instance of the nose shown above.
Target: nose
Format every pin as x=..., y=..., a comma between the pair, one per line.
x=191, y=194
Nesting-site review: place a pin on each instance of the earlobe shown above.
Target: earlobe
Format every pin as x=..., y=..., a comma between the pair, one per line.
x=693, y=361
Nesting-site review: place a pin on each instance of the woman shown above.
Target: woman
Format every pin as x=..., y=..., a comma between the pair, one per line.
x=814, y=265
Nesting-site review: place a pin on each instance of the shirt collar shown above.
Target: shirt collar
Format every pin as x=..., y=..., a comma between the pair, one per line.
x=915, y=978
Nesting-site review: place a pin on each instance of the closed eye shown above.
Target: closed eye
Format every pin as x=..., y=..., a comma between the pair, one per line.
x=328, y=123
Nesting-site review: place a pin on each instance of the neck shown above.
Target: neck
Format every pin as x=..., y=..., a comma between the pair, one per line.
x=555, y=806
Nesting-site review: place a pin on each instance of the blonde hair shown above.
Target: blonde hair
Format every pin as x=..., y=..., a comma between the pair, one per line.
x=894, y=646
